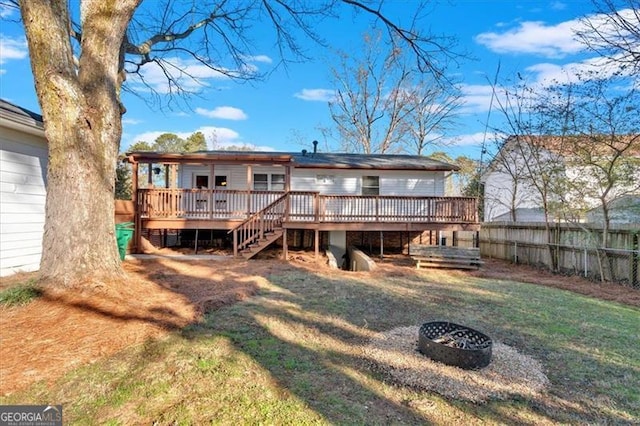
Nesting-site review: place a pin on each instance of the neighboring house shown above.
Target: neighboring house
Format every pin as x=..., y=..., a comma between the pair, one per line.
x=260, y=196
x=521, y=214
x=622, y=211
x=23, y=171
x=527, y=166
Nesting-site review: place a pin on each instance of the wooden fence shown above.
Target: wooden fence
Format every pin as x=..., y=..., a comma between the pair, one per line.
x=576, y=249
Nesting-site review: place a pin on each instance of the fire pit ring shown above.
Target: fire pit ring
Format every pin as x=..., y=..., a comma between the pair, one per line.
x=454, y=344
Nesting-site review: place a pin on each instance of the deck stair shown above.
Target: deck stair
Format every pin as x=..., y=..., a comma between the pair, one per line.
x=251, y=250
x=445, y=257
x=260, y=229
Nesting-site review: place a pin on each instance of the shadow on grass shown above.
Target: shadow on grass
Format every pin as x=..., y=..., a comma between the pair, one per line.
x=315, y=327
x=306, y=330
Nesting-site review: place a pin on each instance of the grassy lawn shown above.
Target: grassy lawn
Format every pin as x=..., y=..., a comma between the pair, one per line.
x=292, y=354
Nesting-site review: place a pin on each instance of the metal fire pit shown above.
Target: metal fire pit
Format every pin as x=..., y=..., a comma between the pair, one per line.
x=454, y=344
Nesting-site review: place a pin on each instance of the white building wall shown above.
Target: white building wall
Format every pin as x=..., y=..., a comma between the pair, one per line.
x=23, y=163
x=349, y=182
x=499, y=188
x=236, y=175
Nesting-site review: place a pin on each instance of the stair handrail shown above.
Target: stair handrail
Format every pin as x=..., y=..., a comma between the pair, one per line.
x=254, y=233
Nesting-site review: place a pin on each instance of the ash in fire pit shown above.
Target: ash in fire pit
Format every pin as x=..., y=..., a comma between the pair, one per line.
x=454, y=344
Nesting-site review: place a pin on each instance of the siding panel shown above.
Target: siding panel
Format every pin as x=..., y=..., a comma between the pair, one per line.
x=23, y=159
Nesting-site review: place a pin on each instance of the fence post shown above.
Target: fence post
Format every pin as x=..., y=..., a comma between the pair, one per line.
x=635, y=260
x=586, y=263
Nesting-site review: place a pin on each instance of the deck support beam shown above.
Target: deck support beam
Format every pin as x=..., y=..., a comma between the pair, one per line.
x=285, y=246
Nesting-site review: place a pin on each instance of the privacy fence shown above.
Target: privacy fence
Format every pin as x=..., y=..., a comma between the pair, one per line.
x=573, y=248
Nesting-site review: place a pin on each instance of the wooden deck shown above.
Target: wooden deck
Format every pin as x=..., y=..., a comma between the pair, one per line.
x=223, y=209
x=256, y=218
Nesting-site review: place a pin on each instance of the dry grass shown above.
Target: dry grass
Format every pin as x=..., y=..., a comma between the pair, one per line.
x=273, y=342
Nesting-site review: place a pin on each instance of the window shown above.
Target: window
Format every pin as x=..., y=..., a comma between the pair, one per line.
x=265, y=182
x=370, y=185
x=260, y=182
x=201, y=181
x=325, y=179
x=277, y=182
x=221, y=181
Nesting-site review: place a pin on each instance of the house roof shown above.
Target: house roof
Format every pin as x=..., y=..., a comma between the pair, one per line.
x=305, y=159
x=369, y=161
x=19, y=115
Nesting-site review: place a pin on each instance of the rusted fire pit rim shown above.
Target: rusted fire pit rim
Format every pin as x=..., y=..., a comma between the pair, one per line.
x=476, y=355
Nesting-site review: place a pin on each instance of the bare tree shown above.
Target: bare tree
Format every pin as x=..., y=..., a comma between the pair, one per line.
x=383, y=104
x=604, y=155
x=579, y=144
x=613, y=32
x=80, y=68
x=370, y=106
x=532, y=155
x=432, y=108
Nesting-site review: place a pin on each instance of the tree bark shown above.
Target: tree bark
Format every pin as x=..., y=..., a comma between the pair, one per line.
x=81, y=109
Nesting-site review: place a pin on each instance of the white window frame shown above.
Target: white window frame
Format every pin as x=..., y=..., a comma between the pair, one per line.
x=370, y=189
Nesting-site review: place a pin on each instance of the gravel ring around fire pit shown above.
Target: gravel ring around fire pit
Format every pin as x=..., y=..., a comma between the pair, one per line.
x=395, y=354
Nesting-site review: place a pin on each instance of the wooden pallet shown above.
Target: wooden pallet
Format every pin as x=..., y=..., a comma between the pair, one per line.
x=446, y=257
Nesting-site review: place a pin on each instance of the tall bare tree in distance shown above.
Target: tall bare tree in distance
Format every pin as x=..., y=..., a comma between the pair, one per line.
x=80, y=68
x=384, y=104
x=370, y=103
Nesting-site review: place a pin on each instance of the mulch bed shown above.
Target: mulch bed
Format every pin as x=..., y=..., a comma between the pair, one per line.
x=510, y=373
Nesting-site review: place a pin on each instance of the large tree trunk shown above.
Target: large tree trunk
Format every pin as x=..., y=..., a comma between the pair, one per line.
x=81, y=110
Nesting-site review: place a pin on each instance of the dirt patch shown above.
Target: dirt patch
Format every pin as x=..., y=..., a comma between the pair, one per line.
x=395, y=354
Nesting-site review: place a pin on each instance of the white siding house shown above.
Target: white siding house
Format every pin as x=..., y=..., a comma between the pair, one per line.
x=526, y=167
x=259, y=197
x=23, y=168
x=322, y=180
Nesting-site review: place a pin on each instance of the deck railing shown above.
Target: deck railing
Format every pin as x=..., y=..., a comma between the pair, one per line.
x=258, y=224
x=303, y=206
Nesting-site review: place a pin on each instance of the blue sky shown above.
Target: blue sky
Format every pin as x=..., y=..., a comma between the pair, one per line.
x=284, y=112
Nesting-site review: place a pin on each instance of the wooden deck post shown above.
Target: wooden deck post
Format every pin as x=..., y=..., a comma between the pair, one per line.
x=249, y=186
x=137, y=228
x=235, y=243
x=285, y=246
x=316, y=244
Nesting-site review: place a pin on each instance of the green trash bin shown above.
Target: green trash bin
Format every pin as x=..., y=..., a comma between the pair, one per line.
x=124, y=232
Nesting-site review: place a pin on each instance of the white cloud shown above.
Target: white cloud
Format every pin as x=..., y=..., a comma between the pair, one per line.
x=547, y=74
x=471, y=139
x=190, y=75
x=558, y=5
x=12, y=48
x=535, y=37
x=131, y=121
x=224, y=112
x=6, y=11
x=322, y=95
x=477, y=98
x=259, y=58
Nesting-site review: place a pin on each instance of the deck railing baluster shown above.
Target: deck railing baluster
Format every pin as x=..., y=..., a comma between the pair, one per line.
x=213, y=204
